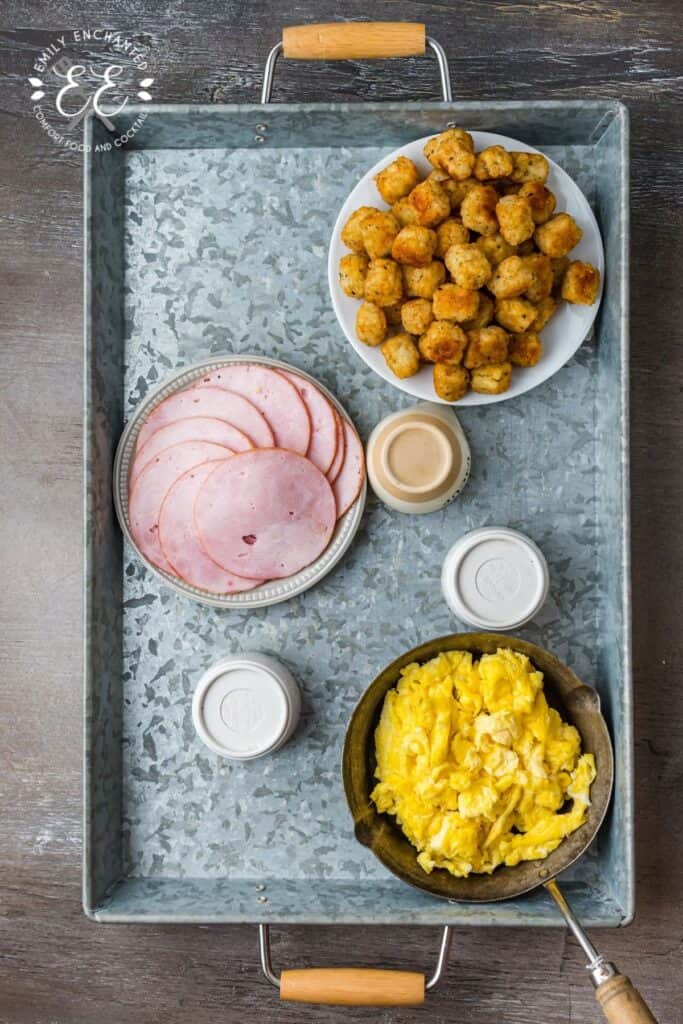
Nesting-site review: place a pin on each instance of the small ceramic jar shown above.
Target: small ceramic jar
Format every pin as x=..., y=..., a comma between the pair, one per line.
x=245, y=706
x=495, y=578
x=418, y=459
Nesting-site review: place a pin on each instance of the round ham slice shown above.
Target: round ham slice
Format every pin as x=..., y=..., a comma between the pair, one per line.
x=347, y=486
x=274, y=396
x=194, y=428
x=151, y=487
x=180, y=543
x=323, y=445
x=216, y=403
x=333, y=471
x=265, y=513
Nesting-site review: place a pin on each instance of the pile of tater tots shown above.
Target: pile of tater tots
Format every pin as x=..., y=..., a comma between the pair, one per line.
x=467, y=266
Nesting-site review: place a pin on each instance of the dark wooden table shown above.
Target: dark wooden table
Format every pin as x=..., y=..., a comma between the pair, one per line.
x=55, y=966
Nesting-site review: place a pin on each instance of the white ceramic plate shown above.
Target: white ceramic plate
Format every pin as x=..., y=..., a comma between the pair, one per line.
x=561, y=337
x=268, y=593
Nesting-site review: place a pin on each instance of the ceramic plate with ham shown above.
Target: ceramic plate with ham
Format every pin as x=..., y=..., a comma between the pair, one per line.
x=243, y=483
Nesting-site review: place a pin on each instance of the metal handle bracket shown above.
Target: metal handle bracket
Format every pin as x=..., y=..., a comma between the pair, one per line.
x=272, y=977
x=435, y=46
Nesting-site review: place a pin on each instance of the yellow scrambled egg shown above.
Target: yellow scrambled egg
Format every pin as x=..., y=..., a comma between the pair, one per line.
x=475, y=766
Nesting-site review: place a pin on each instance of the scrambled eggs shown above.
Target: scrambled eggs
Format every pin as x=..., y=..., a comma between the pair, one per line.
x=475, y=766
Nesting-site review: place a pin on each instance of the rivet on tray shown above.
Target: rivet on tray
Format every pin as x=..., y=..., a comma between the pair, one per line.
x=259, y=138
x=261, y=899
x=451, y=124
x=261, y=127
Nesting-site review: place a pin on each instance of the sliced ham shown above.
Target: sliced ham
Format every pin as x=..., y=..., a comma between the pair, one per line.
x=347, y=486
x=194, y=428
x=274, y=396
x=217, y=403
x=323, y=445
x=180, y=543
x=333, y=471
x=151, y=487
x=265, y=513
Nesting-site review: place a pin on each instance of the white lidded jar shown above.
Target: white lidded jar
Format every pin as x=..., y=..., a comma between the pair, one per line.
x=245, y=706
x=495, y=578
x=418, y=459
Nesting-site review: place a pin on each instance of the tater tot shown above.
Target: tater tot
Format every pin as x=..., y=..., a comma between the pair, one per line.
x=495, y=248
x=353, y=269
x=514, y=217
x=544, y=311
x=379, y=229
x=422, y=282
x=468, y=266
x=540, y=199
x=416, y=315
x=529, y=167
x=371, y=324
x=352, y=232
x=401, y=355
x=451, y=381
x=542, y=277
x=414, y=245
x=452, y=151
x=491, y=380
x=484, y=314
x=442, y=342
x=478, y=210
x=451, y=302
x=404, y=212
x=450, y=232
x=457, y=190
x=516, y=315
x=493, y=162
x=397, y=180
x=558, y=236
x=581, y=283
x=525, y=349
x=453, y=189
x=511, y=277
x=384, y=283
x=487, y=345
x=430, y=203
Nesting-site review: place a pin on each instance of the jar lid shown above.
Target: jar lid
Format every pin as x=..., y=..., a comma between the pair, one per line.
x=495, y=578
x=246, y=706
x=418, y=459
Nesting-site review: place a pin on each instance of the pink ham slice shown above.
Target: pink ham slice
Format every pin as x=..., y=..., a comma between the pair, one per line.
x=265, y=514
x=333, y=471
x=151, y=487
x=180, y=543
x=213, y=402
x=323, y=445
x=195, y=428
x=347, y=486
x=274, y=396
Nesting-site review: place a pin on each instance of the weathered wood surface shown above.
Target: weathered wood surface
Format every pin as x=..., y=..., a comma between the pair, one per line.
x=55, y=966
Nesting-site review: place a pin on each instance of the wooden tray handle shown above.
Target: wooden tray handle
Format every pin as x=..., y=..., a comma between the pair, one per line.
x=354, y=40
x=622, y=1003
x=352, y=986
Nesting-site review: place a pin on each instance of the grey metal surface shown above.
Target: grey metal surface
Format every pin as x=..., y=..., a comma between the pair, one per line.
x=268, y=593
x=202, y=241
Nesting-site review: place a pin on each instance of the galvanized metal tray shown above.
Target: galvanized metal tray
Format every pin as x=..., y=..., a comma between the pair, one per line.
x=207, y=234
